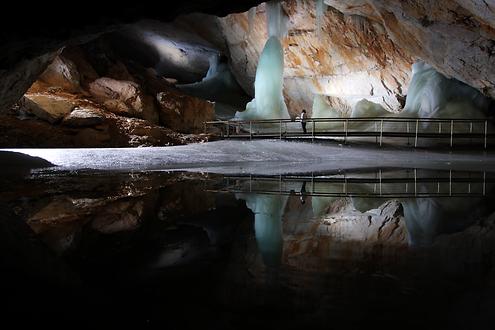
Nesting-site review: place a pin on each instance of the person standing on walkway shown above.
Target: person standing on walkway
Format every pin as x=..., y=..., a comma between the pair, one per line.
x=303, y=120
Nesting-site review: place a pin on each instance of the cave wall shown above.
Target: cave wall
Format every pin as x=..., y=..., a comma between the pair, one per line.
x=353, y=58
x=456, y=37
x=31, y=36
x=366, y=48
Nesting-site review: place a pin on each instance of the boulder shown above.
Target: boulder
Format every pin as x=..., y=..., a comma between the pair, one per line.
x=124, y=98
x=119, y=216
x=86, y=71
x=184, y=113
x=81, y=117
x=47, y=107
x=62, y=73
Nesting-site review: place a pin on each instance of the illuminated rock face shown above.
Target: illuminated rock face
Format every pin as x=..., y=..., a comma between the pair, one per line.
x=352, y=59
x=455, y=37
x=366, y=48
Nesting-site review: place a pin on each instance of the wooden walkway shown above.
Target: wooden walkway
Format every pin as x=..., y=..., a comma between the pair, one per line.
x=449, y=131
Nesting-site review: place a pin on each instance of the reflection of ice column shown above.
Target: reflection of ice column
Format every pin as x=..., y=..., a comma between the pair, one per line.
x=268, y=211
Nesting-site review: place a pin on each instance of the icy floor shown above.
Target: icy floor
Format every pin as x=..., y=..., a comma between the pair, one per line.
x=259, y=157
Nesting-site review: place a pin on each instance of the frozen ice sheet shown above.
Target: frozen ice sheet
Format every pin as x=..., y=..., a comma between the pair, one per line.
x=259, y=157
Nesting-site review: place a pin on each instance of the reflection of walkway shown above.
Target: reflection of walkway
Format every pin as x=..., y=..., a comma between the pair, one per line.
x=386, y=184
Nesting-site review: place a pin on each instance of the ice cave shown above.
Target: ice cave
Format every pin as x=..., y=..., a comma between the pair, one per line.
x=247, y=164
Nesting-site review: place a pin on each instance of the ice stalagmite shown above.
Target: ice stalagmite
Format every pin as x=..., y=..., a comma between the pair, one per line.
x=268, y=102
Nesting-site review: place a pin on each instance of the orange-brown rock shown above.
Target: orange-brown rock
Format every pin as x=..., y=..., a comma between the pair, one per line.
x=182, y=112
x=354, y=58
x=454, y=36
x=124, y=98
x=62, y=73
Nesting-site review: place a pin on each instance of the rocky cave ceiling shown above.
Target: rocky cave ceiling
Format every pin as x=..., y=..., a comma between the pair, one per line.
x=365, y=48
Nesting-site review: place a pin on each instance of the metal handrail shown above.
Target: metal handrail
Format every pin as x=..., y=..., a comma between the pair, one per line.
x=357, y=119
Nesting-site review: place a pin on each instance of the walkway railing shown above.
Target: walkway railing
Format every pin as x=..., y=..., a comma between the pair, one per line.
x=475, y=130
x=378, y=186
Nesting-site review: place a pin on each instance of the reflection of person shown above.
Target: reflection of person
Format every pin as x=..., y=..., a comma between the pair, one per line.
x=303, y=193
x=303, y=120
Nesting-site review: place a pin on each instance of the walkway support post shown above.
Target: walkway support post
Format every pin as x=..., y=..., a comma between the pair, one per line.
x=416, y=134
x=486, y=132
x=313, y=130
x=345, y=130
x=381, y=132
x=451, y=133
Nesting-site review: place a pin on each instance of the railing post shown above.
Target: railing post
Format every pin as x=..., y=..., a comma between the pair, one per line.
x=250, y=130
x=381, y=132
x=486, y=132
x=313, y=130
x=280, y=135
x=205, y=127
x=415, y=181
x=484, y=183
x=407, y=129
x=439, y=127
x=380, y=178
x=376, y=129
x=416, y=134
x=450, y=182
x=345, y=130
x=451, y=133
x=228, y=129
x=470, y=132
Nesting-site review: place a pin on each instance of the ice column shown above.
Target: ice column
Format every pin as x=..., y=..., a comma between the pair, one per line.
x=320, y=12
x=268, y=102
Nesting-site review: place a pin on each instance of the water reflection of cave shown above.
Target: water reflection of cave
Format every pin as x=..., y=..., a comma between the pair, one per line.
x=279, y=216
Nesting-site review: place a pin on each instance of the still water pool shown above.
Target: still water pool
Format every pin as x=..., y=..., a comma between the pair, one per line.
x=199, y=250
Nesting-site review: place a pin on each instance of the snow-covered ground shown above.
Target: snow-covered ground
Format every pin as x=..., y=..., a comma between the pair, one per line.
x=259, y=157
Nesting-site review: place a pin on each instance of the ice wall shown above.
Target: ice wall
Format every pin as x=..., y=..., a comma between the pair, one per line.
x=268, y=102
x=219, y=85
x=432, y=95
x=321, y=109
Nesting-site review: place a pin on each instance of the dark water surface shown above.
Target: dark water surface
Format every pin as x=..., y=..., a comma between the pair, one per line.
x=390, y=247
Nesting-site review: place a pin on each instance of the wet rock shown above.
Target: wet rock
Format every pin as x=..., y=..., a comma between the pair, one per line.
x=80, y=117
x=182, y=112
x=15, y=164
x=124, y=98
x=47, y=107
x=62, y=73
x=119, y=216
